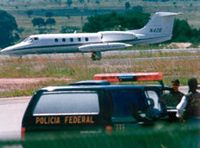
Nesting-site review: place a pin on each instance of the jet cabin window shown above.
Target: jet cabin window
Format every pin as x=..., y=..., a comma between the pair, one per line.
x=63, y=39
x=56, y=40
x=71, y=39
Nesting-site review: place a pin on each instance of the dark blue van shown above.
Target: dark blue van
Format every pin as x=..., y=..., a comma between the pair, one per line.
x=94, y=105
x=86, y=107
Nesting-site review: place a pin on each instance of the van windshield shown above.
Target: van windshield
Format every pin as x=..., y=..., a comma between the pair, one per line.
x=153, y=99
x=67, y=103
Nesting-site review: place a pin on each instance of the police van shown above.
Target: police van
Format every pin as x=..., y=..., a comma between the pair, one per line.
x=95, y=105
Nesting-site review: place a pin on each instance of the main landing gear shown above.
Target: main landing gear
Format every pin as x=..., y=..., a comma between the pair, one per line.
x=96, y=56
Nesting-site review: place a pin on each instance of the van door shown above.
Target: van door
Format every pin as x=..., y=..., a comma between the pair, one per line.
x=125, y=103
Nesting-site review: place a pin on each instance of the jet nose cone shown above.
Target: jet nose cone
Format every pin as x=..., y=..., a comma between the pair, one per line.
x=3, y=51
x=13, y=49
x=7, y=50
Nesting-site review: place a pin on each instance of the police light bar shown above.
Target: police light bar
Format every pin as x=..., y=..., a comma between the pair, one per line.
x=117, y=77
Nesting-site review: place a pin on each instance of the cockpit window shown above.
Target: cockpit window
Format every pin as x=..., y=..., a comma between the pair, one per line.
x=28, y=39
x=36, y=38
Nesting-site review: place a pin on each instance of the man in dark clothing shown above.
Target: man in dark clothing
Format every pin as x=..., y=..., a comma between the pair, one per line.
x=190, y=102
x=172, y=98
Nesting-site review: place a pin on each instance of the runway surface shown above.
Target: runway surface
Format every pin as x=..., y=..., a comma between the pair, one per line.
x=116, y=53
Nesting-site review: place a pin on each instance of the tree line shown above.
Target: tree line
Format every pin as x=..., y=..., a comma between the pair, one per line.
x=130, y=20
x=40, y=22
x=182, y=31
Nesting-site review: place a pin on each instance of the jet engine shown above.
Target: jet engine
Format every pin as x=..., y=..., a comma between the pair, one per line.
x=112, y=36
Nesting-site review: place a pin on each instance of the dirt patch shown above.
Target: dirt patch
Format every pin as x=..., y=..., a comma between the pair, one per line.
x=180, y=45
x=8, y=84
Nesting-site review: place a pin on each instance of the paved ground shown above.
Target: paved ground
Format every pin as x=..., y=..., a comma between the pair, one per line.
x=11, y=113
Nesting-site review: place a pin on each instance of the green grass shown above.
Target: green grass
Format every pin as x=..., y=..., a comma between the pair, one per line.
x=82, y=68
x=161, y=135
x=17, y=93
x=29, y=89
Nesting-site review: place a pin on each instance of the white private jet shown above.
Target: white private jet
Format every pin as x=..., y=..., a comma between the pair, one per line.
x=158, y=29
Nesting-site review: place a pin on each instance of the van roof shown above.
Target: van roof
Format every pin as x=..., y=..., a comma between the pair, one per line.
x=90, y=87
x=91, y=82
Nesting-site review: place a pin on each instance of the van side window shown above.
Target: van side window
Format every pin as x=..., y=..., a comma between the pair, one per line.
x=67, y=103
x=125, y=101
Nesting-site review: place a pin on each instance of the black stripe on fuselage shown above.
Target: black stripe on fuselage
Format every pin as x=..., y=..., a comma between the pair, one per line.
x=53, y=46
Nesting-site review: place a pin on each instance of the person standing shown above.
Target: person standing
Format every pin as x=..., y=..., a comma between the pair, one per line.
x=189, y=102
x=172, y=98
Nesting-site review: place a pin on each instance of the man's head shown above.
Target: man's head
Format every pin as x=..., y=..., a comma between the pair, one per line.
x=175, y=84
x=193, y=84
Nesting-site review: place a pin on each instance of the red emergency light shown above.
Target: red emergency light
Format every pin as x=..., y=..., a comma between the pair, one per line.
x=117, y=77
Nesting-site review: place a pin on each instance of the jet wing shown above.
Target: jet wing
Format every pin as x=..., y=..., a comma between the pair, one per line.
x=102, y=47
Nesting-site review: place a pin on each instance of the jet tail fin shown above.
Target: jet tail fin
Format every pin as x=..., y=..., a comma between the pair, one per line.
x=160, y=25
